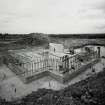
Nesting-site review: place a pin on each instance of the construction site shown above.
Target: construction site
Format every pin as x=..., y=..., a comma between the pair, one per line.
x=25, y=70
x=57, y=62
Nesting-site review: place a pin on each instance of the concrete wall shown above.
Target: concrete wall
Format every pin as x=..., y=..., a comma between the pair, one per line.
x=36, y=76
x=56, y=47
x=63, y=79
x=68, y=76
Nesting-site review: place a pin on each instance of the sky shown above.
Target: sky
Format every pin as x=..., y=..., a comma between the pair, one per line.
x=52, y=16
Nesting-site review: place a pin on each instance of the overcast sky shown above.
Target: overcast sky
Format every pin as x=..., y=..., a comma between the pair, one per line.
x=52, y=16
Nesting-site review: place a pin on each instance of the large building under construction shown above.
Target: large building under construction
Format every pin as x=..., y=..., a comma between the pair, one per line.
x=60, y=63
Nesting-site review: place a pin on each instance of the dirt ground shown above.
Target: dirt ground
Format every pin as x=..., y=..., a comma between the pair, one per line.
x=11, y=87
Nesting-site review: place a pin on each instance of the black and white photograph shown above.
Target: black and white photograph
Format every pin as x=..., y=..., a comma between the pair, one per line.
x=52, y=52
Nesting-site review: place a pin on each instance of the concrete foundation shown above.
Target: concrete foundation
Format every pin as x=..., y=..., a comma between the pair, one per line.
x=61, y=78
